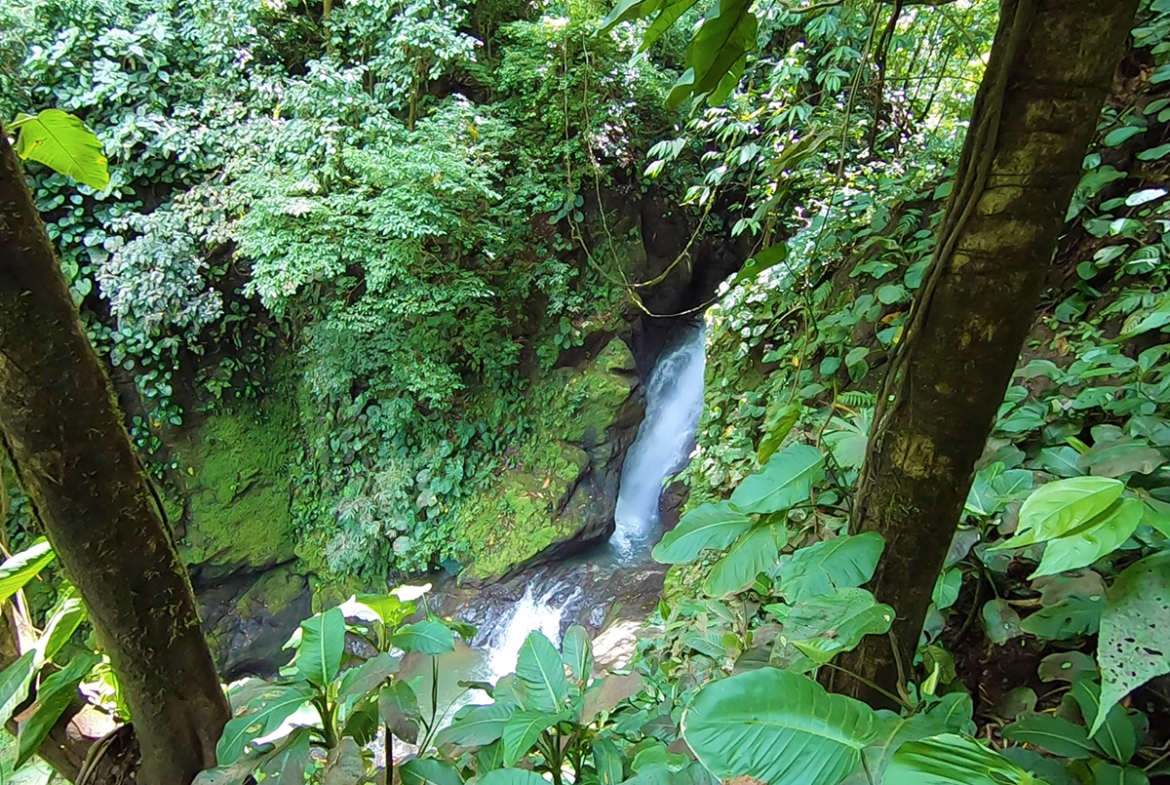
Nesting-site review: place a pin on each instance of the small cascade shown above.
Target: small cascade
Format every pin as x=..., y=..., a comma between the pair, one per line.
x=536, y=611
x=674, y=403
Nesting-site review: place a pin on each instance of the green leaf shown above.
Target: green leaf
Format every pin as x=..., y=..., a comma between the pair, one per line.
x=669, y=14
x=952, y=714
x=1120, y=135
x=1059, y=507
x=367, y=677
x=1154, y=153
x=398, y=708
x=20, y=568
x=63, y=143
x=842, y=562
x=629, y=9
x=55, y=695
x=777, y=727
x=766, y=259
x=953, y=760
x=481, y=725
x=727, y=33
x=521, y=731
x=713, y=526
x=508, y=777
x=286, y=764
x=608, y=762
x=267, y=710
x=429, y=636
x=778, y=427
x=344, y=764
x=540, y=668
x=428, y=771
x=1052, y=734
x=322, y=644
x=14, y=682
x=1097, y=538
x=754, y=553
x=826, y=625
x=1070, y=618
x=946, y=588
x=65, y=620
x=786, y=480
x=1066, y=666
x=1135, y=630
x=1116, y=735
x=1062, y=461
x=1108, y=774
x=1121, y=456
x=1001, y=621
x=385, y=608
x=577, y=652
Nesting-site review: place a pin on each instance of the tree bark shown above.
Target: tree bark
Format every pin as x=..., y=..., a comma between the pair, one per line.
x=75, y=461
x=1034, y=115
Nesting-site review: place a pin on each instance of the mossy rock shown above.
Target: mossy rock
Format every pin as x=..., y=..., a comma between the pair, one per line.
x=235, y=471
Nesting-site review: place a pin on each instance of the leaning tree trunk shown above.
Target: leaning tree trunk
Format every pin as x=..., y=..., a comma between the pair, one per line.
x=1034, y=115
x=74, y=460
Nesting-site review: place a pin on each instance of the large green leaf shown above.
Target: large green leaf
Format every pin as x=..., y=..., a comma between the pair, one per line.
x=952, y=714
x=1061, y=506
x=1116, y=735
x=14, y=681
x=510, y=777
x=20, y=568
x=754, y=553
x=1071, y=617
x=953, y=760
x=344, y=764
x=481, y=725
x=777, y=727
x=53, y=698
x=1108, y=774
x=842, y=562
x=713, y=526
x=540, y=668
x=1053, y=734
x=322, y=644
x=786, y=479
x=266, y=712
x=1135, y=631
x=428, y=771
x=607, y=759
x=385, y=608
x=429, y=636
x=577, y=652
x=286, y=764
x=669, y=14
x=521, y=731
x=398, y=707
x=64, y=621
x=822, y=627
x=366, y=678
x=727, y=33
x=63, y=143
x=626, y=10
x=1096, y=539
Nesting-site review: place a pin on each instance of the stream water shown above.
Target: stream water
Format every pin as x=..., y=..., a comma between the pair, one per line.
x=591, y=586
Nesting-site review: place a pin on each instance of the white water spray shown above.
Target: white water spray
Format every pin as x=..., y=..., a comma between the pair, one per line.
x=534, y=612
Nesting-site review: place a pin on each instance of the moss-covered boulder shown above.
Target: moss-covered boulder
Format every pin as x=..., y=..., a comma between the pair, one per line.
x=234, y=473
x=558, y=489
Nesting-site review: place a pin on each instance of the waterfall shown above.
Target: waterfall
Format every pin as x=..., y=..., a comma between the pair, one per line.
x=674, y=403
x=535, y=611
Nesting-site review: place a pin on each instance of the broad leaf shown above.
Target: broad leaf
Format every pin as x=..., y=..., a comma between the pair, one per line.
x=946, y=588
x=754, y=553
x=344, y=764
x=1053, y=734
x=577, y=652
x=953, y=760
x=286, y=764
x=778, y=427
x=1072, y=617
x=1066, y=666
x=322, y=644
x=63, y=143
x=1096, y=539
x=429, y=636
x=22, y=567
x=385, y=608
x=1135, y=630
x=842, y=562
x=1116, y=735
x=608, y=762
x=521, y=731
x=786, y=480
x=1059, y=507
x=509, y=777
x=66, y=618
x=1108, y=774
x=540, y=668
x=428, y=771
x=824, y=626
x=53, y=698
x=268, y=711
x=1001, y=621
x=14, y=682
x=713, y=526
x=367, y=677
x=481, y=725
x=952, y=714
x=777, y=727
x=1121, y=456
x=398, y=707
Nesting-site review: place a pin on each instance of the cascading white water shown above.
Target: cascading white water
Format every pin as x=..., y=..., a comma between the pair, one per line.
x=674, y=403
x=533, y=612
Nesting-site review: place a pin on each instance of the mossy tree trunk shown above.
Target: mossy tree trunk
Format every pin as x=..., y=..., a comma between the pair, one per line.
x=1034, y=115
x=74, y=459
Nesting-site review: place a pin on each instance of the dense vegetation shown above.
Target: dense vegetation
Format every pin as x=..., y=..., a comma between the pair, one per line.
x=361, y=274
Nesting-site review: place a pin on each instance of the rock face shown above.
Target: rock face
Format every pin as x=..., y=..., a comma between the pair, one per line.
x=558, y=491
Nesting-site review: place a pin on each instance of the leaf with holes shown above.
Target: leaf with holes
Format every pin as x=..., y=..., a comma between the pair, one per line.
x=714, y=526
x=1066, y=666
x=842, y=562
x=786, y=480
x=1134, y=644
x=1001, y=621
x=776, y=726
x=1072, y=617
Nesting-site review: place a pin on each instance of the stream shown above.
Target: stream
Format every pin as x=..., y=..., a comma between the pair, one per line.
x=609, y=588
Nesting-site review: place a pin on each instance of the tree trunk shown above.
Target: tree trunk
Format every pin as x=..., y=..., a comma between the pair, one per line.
x=1034, y=115
x=75, y=461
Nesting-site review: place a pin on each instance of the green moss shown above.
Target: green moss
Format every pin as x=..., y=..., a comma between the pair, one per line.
x=275, y=591
x=235, y=469
x=525, y=510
